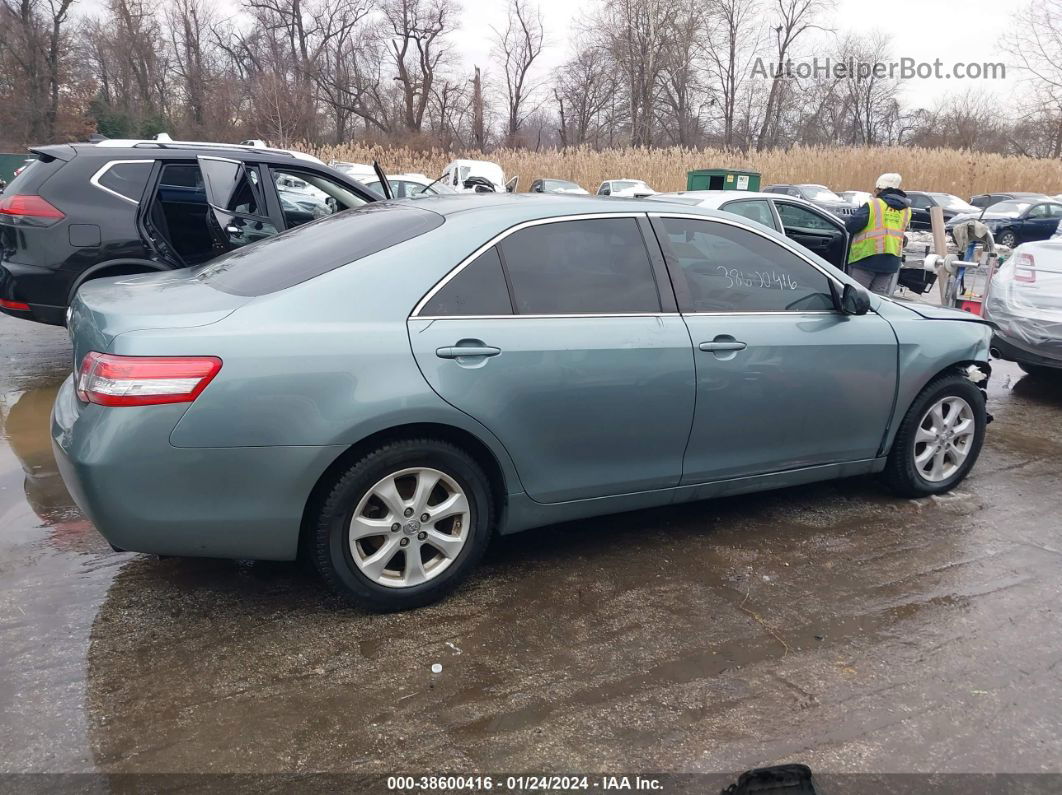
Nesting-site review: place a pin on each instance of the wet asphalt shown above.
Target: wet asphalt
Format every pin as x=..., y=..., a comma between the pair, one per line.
x=830, y=624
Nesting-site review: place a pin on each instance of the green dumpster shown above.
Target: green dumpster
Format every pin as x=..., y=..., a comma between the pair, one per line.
x=722, y=179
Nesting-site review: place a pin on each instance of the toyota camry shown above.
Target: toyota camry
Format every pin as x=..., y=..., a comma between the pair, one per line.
x=384, y=390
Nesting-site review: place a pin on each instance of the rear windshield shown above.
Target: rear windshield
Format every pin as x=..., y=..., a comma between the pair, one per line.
x=24, y=176
x=309, y=250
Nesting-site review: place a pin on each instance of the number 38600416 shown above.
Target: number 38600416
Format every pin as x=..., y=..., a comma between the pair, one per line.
x=766, y=280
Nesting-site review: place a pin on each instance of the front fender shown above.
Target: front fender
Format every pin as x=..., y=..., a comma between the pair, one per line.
x=927, y=348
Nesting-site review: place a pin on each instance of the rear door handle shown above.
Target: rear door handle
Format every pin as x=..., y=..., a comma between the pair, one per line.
x=461, y=351
x=723, y=346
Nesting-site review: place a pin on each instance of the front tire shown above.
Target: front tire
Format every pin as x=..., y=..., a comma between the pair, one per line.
x=1008, y=239
x=404, y=526
x=939, y=439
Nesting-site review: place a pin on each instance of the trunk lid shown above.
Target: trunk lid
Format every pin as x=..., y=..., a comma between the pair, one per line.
x=105, y=308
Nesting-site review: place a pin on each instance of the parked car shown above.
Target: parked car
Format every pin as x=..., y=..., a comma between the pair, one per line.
x=983, y=200
x=387, y=388
x=84, y=211
x=1015, y=222
x=922, y=202
x=410, y=185
x=1025, y=302
x=819, y=195
x=557, y=186
x=856, y=197
x=362, y=172
x=628, y=188
x=461, y=175
x=815, y=229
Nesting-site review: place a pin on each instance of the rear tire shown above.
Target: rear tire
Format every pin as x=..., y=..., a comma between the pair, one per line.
x=439, y=500
x=939, y=439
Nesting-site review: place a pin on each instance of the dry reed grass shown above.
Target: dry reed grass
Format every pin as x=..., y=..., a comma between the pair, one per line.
x=963, y=173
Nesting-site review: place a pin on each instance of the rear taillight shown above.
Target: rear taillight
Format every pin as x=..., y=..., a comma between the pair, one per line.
x=1025, y=268
x=23, y=206
x=111, y=380
x=17, y=305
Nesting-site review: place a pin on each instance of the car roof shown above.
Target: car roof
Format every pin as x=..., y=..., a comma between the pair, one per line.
x=162, y=150
x=715, y=198
x=531, y=206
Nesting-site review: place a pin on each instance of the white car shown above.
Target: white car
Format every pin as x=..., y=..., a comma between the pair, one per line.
x=557, y=186
x=458, y=171
x=1025, y=302
x=856, y=197
x=404, y=186
x=359, y=171
x=628, y=188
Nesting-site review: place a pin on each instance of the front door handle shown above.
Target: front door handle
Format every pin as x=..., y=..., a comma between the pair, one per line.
x=731, y=345
x=463, y=351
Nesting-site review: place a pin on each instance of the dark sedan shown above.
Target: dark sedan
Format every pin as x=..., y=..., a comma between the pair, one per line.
x=923, y=201
x=983, y=200
x=819, y=195
x=1015, y=222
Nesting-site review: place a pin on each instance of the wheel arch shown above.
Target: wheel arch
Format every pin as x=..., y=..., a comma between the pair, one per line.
x=117, y=267
x=959, y=367
x=481, y=453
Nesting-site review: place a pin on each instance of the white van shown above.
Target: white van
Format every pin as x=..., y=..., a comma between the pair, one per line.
x=458, y=171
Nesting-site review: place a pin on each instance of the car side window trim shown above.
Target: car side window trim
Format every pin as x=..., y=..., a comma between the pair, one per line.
x=679, y=279
x=95, y=178
x=497, y=239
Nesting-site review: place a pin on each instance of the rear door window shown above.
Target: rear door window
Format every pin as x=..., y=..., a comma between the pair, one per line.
x=477, y=290
x=593, y=266
x=234, y=191
x=754, y=209
x=795, y=217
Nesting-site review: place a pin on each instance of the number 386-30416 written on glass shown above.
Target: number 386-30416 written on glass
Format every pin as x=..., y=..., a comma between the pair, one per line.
x=767, y=280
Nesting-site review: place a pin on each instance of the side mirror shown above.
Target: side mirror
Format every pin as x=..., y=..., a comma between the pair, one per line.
x=853, y=301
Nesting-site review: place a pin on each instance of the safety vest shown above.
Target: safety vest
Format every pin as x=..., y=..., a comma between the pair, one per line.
x=883, y=233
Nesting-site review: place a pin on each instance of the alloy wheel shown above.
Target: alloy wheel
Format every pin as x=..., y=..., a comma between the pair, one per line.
x=409, y=527
x=944, y=439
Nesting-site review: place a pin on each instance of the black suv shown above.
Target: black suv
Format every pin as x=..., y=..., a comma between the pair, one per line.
x=83, y=211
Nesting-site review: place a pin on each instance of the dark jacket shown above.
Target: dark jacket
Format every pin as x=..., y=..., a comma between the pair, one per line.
x=857, y=222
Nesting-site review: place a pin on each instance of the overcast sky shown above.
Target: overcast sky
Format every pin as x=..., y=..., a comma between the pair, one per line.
x=921, y=29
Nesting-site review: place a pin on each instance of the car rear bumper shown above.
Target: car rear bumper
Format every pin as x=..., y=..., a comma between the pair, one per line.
x=1004, y=348
x=144, y=495
x=11, y=276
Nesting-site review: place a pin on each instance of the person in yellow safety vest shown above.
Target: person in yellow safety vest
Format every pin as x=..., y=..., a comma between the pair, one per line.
x=877, y=228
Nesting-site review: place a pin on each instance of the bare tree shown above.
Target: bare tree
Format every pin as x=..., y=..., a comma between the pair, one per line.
x=794, y=19
x=732, y=43
x=584, y=89
x=637, y=36
x=417, y=31
x=516, y=48
x=32, y=41
x=683, y=91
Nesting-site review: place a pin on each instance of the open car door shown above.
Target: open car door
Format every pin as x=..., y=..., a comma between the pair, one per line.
x=237, y=201
x=385, y=183
x=815, y=230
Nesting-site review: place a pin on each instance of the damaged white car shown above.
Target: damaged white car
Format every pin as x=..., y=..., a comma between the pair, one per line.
x=1024, y=302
